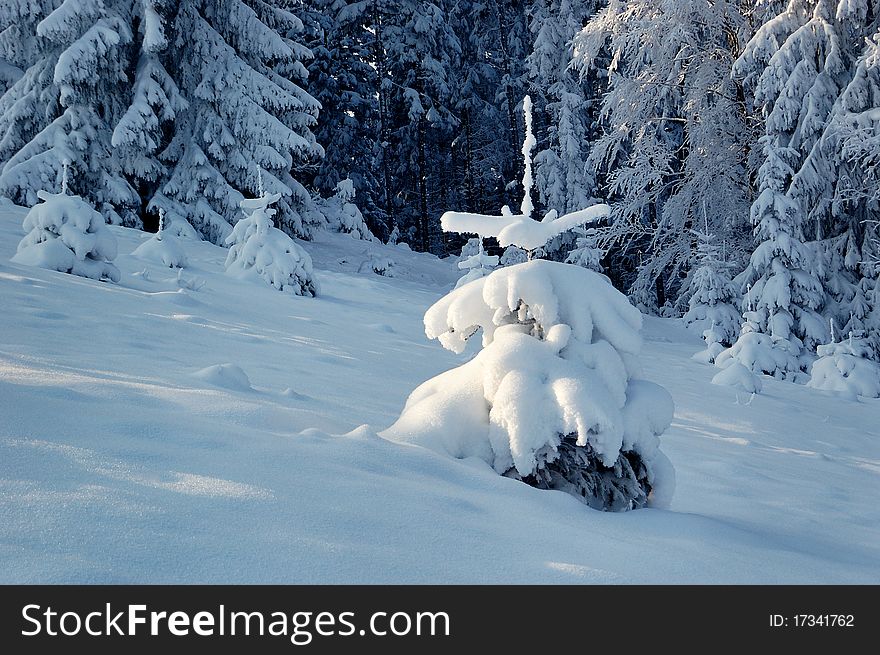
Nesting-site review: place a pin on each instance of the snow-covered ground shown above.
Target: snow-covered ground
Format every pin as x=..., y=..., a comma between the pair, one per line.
x=130, y=451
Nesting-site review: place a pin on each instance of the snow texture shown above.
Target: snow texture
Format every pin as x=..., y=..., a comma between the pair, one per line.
x=118, y=466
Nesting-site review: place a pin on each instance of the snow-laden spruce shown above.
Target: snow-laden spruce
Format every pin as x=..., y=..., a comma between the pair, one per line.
x=756, y=352
x=555, y=397
x=239, y=66
x=711, y=306
x=163, y=248
x=64, y=233
x=475, y=261
x=786, y=293
x=586, y=252
x=63, y=107
x=257, y=248
x=343, y=215
x=563, y=178
x=845, y=368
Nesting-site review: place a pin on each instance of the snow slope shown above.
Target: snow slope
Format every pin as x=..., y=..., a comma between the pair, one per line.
x=131, y=452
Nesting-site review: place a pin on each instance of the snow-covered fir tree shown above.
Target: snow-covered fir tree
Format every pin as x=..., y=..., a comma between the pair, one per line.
x=838, y=183
x=343, y=79
x=153, y=102
x=480, y=148
x=18, y=21
x=786, y=294
x=343, y=215
x=586, y=252
x=28, y=99
x=752, y=355
x=239, y=68
x=475, y=262
x=554, y=398
x=513, y=255
x=419, y=51
x=65, y=105
x=796, y=65
x=64, y=233
x=713, y=299
x=258, y=249
x=812, y=47
x=564, y=181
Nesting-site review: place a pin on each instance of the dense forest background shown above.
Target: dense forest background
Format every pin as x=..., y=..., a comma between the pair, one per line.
x=740, y=139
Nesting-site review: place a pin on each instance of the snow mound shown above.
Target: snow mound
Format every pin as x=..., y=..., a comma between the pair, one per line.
x=227, y=376
x=378, y=264
x=162, y=249
x=179, y=227
x=845, y=369
x=711, y=351
x=66, y=234
x=290, y=393
x=738, y=376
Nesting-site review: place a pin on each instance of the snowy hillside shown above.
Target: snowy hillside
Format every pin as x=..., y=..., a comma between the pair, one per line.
x=210, y=429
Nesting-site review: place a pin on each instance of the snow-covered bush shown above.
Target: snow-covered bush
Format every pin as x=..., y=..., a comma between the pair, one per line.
x=163, y=248
x=513, y=255
x=343, y=215
x=475, y=262
x=738, y=376
x=759, y=352
x=554, y=398
x=711, y=305
x=66, y=234
x=845, y=368
x=256, y=247
x=378, y=264
x=586, y=253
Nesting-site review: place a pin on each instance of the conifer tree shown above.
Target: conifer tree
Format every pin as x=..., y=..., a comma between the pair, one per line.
x=71, y=91
x=239, y=68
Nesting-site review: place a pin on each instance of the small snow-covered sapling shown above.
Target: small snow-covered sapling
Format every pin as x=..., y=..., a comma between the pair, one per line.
x=554, y=398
